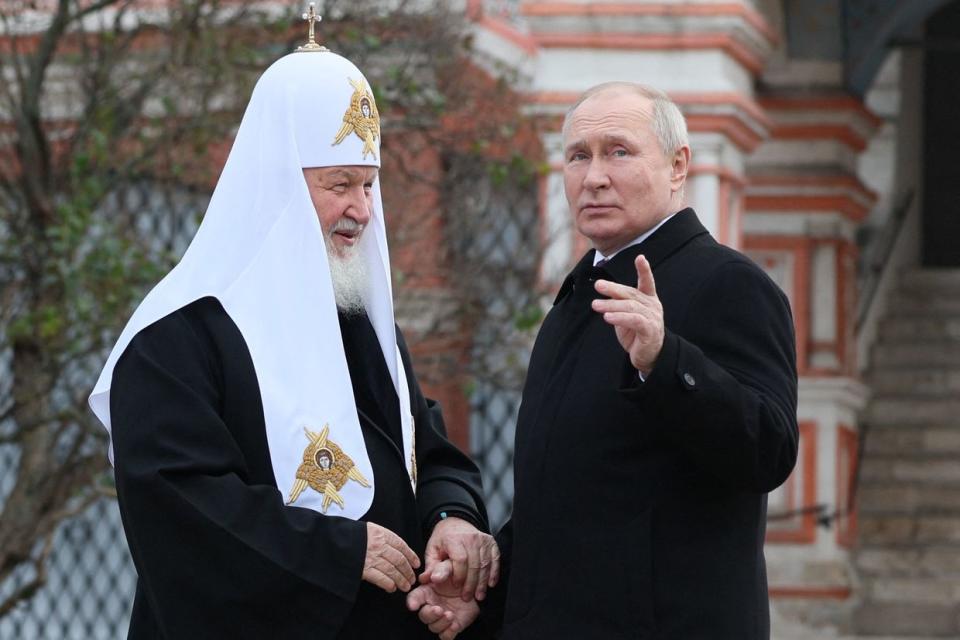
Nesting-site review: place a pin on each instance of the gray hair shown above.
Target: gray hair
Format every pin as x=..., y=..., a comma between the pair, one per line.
x=669, y=125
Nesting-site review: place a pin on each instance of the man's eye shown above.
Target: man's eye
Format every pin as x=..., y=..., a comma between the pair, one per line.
x=578, y=155
x=620, y=153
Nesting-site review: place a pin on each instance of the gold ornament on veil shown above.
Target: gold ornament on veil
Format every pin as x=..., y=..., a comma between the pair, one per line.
x=361, y=118
x=325, y=469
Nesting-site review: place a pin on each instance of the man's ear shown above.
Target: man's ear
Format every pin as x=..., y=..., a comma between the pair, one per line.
x=679, y=165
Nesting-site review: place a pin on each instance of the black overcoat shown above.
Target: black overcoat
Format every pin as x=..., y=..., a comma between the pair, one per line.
x=218, y=553
x=640, y=506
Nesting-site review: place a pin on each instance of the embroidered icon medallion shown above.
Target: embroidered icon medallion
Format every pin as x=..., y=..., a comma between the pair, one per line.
x=325, y=469
x=361, y=118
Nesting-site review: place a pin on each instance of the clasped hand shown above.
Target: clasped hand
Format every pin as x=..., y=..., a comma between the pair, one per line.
x=461, y=564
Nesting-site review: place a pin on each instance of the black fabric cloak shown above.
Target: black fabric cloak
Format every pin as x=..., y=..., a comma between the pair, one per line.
x=640, y=507
x=218, y=553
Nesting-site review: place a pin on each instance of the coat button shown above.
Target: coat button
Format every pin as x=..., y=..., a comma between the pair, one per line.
x=689, y=379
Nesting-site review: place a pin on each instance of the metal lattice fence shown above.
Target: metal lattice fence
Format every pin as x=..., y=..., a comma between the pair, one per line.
x=493, y=419
x=90, y=582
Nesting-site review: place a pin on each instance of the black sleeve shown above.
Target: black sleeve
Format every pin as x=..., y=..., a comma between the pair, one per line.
x=724, y=387
x=494, y=605
x=216, y=554
x=447, y=479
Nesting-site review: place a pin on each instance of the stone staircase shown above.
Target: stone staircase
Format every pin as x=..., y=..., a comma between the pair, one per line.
x=908, y=556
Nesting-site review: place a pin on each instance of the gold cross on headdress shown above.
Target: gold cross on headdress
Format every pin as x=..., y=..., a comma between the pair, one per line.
x=312, y=18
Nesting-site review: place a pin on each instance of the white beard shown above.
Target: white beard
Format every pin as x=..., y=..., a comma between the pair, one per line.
x=348, y=273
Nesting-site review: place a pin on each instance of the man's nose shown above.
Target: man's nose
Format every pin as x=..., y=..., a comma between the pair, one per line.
x=596, y=177
x=361, y=209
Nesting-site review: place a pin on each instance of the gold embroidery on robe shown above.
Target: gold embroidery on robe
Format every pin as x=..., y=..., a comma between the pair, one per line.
x=325, y=469
x=413, y=452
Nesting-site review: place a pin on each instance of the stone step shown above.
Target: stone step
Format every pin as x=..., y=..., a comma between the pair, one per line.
x=904, y=411
x=912, y=328
x=921, y=354
x=906, y=499
x=927, y=590
x=907, y=557
x=943, y=471
x=879, y=530
x=922, y=440
x=942, y=563
x=888, y=619
x=919, y=304
x=925, y=381
x=946, y=280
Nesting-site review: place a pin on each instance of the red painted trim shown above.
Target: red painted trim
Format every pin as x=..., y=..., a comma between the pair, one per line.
x=848, y=442
x=806, y=533
x=724, y=173
x=552, y=9
x=729, y=125
x=475, y=9
x=800, y=248
x=830, y=181
x=834, y=180
x=508, y=32
x=743, y=102
x=821, y=103
x=840, y=317
x=685, y=100
x=657, y=42
x=740, y=213
x=792, y=203
x=723, y=212
x=818, y=593
x=831, y=132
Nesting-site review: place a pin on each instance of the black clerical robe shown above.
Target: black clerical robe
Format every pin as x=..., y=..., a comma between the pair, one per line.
x=218, y=553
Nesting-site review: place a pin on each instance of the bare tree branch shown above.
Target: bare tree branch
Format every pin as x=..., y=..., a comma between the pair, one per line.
x=27, y=590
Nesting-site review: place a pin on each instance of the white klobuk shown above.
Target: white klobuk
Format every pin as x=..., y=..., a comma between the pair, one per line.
x=260, y=251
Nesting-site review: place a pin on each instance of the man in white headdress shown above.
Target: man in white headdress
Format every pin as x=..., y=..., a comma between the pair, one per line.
x=278, y=470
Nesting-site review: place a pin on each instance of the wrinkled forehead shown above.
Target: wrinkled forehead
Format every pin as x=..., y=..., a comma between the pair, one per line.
x=615, y=111
x=351, y=173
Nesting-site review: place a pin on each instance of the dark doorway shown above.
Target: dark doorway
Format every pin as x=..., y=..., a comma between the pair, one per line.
x=941, y=139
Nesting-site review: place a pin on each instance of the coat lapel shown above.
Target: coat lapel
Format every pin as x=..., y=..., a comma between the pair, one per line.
x=665, y=241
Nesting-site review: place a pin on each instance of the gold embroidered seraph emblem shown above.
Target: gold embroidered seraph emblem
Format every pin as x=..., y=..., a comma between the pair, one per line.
x=325, y=469
x=361, y=118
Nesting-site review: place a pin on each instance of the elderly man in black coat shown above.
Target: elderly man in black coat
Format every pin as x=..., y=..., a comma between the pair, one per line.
x=658, y=411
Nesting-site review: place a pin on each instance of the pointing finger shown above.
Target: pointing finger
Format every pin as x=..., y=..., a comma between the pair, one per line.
x=617, y=291
x=645, y=276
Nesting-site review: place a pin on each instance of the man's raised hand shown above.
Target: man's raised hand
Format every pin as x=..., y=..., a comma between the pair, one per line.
x=636, y=314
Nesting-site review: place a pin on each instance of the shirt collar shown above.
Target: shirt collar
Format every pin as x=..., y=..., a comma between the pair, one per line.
x=598, y=257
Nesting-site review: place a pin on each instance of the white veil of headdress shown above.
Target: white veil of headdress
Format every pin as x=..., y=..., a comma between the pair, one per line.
x=260, y=251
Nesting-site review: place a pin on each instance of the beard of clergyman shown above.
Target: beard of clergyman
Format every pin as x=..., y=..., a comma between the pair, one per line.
x=348, y=270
